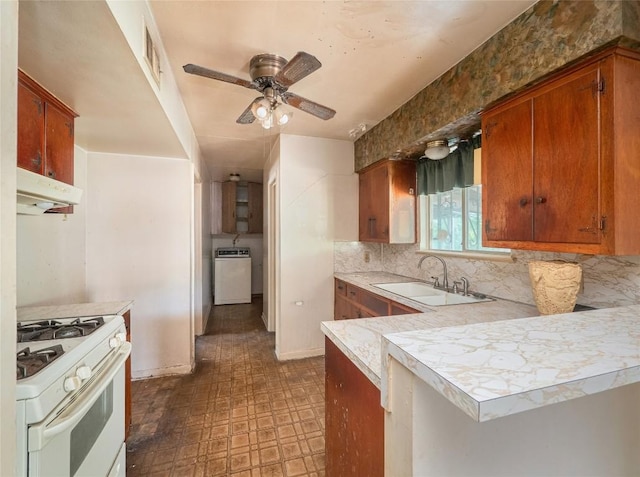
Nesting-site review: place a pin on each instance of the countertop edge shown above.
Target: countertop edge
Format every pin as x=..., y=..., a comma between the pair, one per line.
x=44, y=312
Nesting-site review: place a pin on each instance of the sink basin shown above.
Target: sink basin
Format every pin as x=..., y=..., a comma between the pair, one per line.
x=410, y=289
x=427, y=295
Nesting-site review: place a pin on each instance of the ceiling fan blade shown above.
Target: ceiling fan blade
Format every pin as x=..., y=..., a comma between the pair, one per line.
x=301, y=65
x=247, y=116
x=307, y=106
x=216, y=75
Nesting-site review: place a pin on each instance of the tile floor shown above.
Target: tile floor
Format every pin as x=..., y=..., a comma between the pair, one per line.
x=242, y=413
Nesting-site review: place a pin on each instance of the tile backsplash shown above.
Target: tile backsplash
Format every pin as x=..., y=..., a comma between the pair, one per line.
x=608, y=281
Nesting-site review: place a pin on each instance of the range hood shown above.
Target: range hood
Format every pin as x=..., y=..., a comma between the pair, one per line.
x=37, y=193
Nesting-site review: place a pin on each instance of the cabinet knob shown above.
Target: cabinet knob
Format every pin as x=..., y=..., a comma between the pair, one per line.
x=51, y=174
x=541, y=200
x=524, y=201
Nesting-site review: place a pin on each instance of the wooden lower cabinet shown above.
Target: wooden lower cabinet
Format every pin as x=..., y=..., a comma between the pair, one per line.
x=354, y=419
x=127, y=379
x=354, y=302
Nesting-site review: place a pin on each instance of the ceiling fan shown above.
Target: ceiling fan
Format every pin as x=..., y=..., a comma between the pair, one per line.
x=272, y=75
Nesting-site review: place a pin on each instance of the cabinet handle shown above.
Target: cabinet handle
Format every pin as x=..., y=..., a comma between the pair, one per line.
x=51, y=174
x=541, y=200
x=524, y=201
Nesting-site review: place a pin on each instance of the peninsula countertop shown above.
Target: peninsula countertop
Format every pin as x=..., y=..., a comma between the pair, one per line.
x=76, y=310
x=361, y=339
x=496, y=369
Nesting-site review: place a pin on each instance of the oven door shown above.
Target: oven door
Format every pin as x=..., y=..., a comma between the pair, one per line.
x=83, y=438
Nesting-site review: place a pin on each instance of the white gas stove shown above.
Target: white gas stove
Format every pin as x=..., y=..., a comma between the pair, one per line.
x=70, y=396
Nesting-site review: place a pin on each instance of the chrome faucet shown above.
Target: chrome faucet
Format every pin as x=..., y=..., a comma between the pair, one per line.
x=235, y=240
x=445, y=278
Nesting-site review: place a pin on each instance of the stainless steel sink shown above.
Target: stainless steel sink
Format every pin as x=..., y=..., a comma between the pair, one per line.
x=425, y=293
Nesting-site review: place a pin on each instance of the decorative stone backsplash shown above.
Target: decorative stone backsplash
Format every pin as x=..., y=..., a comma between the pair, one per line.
x=544, y=38
x=608, y=281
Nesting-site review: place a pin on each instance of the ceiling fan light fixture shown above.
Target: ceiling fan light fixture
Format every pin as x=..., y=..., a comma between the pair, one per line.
x=267, y=122
x=261, y=109
x=282, y=116
x=437, y=150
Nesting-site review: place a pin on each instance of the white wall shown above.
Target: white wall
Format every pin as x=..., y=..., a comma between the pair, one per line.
x=139, y=248
x=51, y=250
x=8, y=135
x=317, y=186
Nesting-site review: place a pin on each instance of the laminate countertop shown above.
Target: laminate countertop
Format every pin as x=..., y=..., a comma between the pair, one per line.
x=76, y=310
x=361, y=339
x=492, y=370
x=494, y=359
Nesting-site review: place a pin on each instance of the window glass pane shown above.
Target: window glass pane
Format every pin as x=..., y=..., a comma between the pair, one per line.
x=473, y=204
x=446, y=223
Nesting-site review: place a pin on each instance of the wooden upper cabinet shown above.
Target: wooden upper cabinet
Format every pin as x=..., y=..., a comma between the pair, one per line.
x=30, y=130
x=387, y=202
x=229, y=207
x=59, y=144
x=241, y=207
x=255, y=208
x=560, y=170
x=507, y=173
x=45, y=132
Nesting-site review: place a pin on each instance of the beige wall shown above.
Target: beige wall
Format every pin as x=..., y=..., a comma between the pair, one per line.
x=51, y=250
x=139, y=248
x=8, y=134
x=317, y=187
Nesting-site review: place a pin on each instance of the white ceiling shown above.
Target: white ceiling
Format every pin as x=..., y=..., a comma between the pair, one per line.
x=375, y=56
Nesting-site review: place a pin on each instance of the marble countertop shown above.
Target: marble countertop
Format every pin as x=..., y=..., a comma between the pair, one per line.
x=361, y=339
x=52, y=312
x=496, y=369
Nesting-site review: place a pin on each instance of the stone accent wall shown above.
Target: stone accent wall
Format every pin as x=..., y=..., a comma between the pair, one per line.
x=546, y=37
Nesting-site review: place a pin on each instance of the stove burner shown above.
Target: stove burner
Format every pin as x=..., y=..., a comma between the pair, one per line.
x=52, y=329
x=29, y=363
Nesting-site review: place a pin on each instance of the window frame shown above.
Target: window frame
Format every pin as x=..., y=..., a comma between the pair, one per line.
x=424, y=232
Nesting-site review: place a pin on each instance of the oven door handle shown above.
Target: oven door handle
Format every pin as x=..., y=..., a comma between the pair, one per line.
x=42, y=433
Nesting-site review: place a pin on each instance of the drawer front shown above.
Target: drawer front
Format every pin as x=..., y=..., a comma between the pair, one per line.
x=353, y=292
x=341, y=288
x=399, y=309
x=378, y=305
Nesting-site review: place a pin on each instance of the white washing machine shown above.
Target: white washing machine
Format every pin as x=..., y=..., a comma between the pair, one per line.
x=232, y=276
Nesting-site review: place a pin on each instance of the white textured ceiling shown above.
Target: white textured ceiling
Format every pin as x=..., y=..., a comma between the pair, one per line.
x=375, y=56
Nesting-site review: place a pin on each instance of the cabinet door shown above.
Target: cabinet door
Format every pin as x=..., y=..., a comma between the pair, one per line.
x=30, y=130
x=255, y=208
x=374, y=205
x=507, y=174
x=343, y=310
x=59, y=144
x=354, y=429
x=566, y=160
x=229, y=207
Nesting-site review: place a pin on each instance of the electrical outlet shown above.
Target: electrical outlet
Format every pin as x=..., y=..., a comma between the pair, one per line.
x=367, y=257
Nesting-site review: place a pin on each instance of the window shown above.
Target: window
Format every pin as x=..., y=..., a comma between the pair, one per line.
x=452, y=221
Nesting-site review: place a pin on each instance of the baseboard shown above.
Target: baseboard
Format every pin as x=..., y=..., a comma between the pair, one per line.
x=308, y=353
x=156, y=373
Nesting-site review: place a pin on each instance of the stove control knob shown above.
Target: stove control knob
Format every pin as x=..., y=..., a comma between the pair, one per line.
x=83, y=372
x=117, y=340
x=72, y=383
